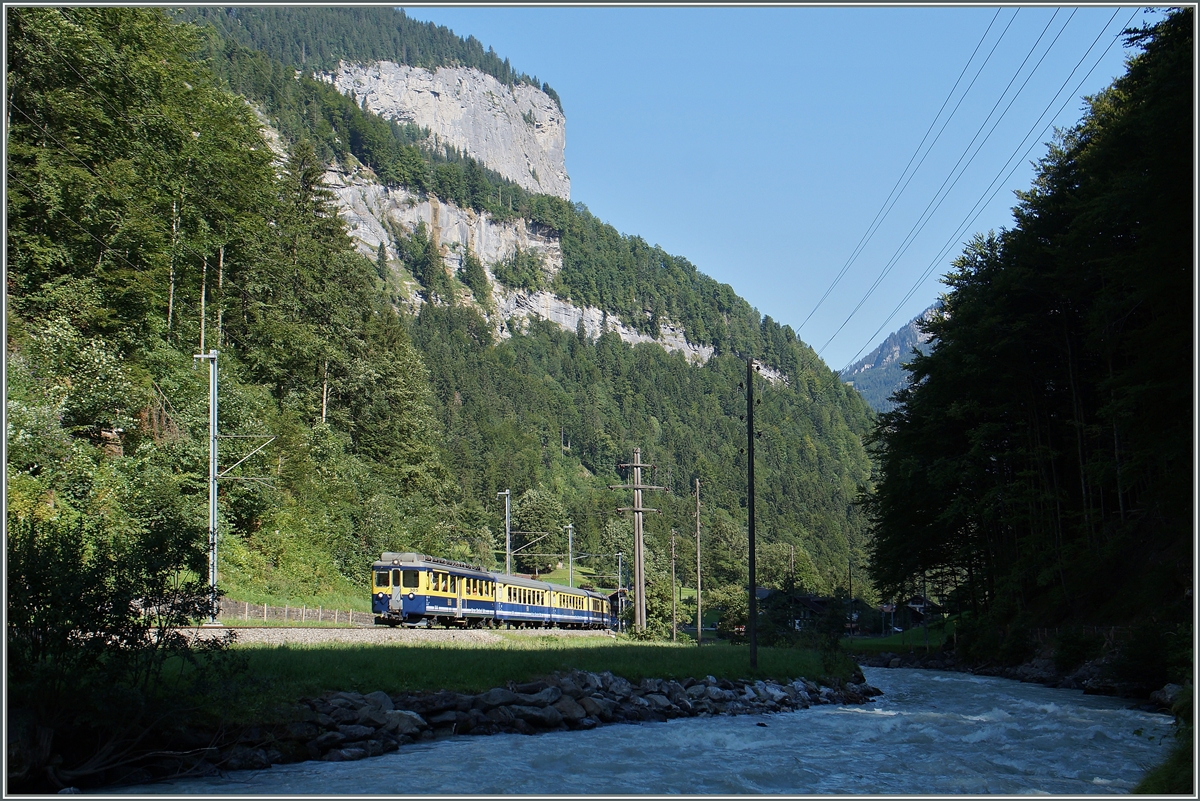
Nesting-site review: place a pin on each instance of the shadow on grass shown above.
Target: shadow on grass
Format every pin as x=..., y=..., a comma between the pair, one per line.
x=296, y=672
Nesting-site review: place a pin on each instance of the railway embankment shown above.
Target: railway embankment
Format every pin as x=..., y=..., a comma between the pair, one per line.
x=346, y=726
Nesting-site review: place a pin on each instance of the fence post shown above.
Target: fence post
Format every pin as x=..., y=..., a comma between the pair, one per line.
x=264, y=613
x=303, y=613
x=319, y=610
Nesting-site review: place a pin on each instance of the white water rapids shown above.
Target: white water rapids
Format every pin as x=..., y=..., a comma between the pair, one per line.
x=930, y=733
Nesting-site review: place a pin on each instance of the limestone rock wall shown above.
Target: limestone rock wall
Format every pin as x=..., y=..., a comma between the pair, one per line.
x=369, y=209
x=519, y=132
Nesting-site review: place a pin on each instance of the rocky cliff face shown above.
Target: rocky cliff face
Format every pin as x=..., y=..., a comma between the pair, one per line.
x=518, y=131
x=373, y=212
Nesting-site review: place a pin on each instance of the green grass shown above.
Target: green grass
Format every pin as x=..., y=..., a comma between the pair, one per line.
x=1175, y=776
x=283, y=674
x=360, y=602
x=905, y=641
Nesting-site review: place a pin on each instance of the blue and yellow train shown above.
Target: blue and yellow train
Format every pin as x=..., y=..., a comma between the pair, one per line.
x=411, y=588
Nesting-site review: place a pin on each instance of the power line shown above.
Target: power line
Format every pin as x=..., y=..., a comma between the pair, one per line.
x=952, y=178
x=1001, y=177
x=885, y=209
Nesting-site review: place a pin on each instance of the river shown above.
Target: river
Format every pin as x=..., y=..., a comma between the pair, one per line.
x=930, y=733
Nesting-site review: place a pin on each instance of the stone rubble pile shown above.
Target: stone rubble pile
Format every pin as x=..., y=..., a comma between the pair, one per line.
x=345, y=726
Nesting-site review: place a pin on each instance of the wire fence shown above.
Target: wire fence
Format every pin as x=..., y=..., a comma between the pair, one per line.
x=1111, y=634
x=248, y=613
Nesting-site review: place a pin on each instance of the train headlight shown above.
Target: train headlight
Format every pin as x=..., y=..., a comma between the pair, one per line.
x=412, y=595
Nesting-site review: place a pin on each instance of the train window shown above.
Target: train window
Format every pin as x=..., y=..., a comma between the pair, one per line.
x=395, y=578
x=411, y=578
x=381, y=579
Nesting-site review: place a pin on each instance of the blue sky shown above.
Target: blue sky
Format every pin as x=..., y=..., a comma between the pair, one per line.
x=761, y=143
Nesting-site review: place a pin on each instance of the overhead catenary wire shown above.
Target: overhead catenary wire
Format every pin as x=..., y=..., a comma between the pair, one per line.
x=952, y=178
x=1001, y=176
x=885, y=209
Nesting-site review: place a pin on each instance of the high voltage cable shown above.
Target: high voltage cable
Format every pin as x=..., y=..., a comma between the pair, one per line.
x=977, y=209
x=923, y=219
x=885, y=209
x=952, y=179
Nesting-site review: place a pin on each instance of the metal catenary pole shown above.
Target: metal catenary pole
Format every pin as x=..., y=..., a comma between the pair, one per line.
x=639, y=565
x=672, y=585
x=211, y=358
x=620, y=586
x=570, y=527
x=507, y=532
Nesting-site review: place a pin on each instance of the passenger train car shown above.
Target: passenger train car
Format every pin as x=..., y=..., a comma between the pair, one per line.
x=408, y=588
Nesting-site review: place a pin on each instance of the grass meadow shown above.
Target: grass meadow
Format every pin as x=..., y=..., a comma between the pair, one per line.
x=280, y=675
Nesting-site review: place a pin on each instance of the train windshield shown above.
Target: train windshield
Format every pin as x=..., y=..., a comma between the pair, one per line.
x=381, y=579
x=411, y=579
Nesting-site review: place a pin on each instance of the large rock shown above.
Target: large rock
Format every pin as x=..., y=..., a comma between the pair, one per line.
x=544, y=697
x=404, y=722
x=497, y=696
x=372, y=716
x=355, y=732
x=570, y=710
x=597, y=706
x=546, y=717
x=299, y=730
x=380, y=700
x=1167, y=696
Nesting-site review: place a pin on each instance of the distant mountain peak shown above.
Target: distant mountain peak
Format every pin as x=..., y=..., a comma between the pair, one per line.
x=880, y=373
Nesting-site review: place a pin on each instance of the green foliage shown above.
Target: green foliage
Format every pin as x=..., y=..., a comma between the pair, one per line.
x=93, y=622
x=733, y=602
x=423, y=258
x=1074, y=647
x=538, y=519
x=1177, y=773
x=145, y=221
x=1040, y=455
x=1154, y=655
x=521, y=269
x=318, y=38
x=475, y=277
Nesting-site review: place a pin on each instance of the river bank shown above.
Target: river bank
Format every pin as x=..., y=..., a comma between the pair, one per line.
x=930, y=733
x=349, y=726
x=1091, y=677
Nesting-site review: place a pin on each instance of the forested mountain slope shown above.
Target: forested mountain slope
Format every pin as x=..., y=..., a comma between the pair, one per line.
x=1040, y=464
x=149, y=220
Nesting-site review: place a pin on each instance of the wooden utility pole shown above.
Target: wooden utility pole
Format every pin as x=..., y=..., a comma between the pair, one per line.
x=672, y=585
x=751, y=627
x=699, y=613
x=639, y=563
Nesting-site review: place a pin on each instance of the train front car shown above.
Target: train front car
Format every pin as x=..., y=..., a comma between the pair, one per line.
x=408, y=588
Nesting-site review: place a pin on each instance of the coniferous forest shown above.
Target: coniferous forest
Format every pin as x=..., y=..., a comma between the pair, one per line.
x=149, y=221
x=1039, y=468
